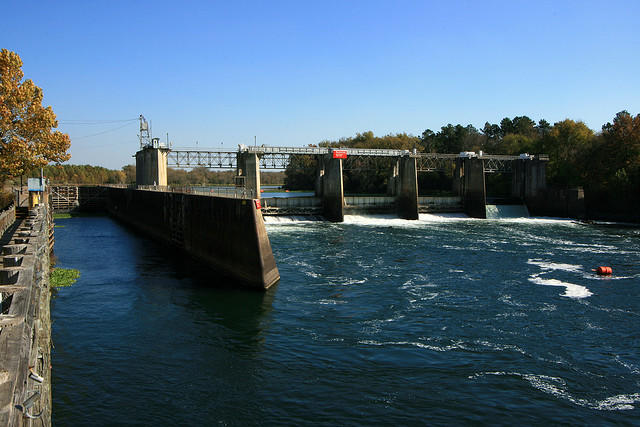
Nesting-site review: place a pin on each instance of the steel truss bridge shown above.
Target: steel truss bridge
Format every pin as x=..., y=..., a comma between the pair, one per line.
x=357, y=158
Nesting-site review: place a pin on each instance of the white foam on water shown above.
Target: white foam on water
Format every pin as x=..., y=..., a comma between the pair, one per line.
x=571, y=290
x=385, y=221
x=631, y=367
x=331, y=302
x=268, y=219
x=512, y=314
x=506, y=299
x=444, y=217
x=621, y=402
x=548, y=307
x=391, y=220
x=551, y=266
x=454, y=346
x=501, y=347
x=557, y=387
x=374, y=326
x=538, y=220
x=478, y=345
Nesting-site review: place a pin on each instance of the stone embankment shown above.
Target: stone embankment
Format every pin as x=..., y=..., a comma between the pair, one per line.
x=25, y=325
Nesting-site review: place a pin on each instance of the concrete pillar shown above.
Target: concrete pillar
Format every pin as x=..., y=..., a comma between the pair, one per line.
x=407, y=196
x=474, y=198
x=332, y=189
x=151, y=166
x=535, y=174
x=575, y=203
x=249, y=168
x=529, y=179
x=319, y=176
x=457, y=182
x=518, y=179
x=392, y=184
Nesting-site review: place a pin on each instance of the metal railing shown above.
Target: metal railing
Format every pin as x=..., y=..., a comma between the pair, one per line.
x=280, y=157
x=221, y=159
x=231, y=192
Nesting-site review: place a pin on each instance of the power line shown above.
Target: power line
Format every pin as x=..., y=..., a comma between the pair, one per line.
x=103, y=132
x=94, y=122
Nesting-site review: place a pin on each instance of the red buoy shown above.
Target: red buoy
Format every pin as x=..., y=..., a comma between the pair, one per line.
x=604, y=271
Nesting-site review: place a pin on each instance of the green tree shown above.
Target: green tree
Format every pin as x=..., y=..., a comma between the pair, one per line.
x=614, y=161
x=543, y=127
x=568, y=141
x=129, y=173
x=523, y=125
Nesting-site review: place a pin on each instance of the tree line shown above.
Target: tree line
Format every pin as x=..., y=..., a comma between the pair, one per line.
x=606, y=163
x=87, y=174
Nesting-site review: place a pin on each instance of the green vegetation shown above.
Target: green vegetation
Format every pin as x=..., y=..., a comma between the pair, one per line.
x=204, y=176
x=62, y=215
x=605, y=163
x=86, y=174
x=62, y=277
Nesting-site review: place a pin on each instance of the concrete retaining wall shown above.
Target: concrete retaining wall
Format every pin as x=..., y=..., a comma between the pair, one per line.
x=558, y=202
x=25, y=325
x=225, y=233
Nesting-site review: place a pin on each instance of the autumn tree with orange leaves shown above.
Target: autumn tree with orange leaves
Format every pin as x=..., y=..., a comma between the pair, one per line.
x=27, y=138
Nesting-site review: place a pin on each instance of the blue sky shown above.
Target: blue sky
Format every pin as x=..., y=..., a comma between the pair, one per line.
x=299, y=72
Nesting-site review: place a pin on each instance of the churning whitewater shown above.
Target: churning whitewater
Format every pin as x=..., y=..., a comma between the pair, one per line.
x=375, y=321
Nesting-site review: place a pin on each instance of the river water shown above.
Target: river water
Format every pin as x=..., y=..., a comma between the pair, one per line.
x=376, y=321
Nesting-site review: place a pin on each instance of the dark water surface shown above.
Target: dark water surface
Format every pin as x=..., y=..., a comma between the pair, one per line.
x=374, y=322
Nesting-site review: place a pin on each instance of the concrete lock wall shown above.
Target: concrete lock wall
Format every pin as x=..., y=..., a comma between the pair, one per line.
x=151, y=166
x=25, y=323
x=226, y=234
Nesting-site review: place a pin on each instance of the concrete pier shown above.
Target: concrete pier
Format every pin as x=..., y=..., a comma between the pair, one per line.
x=226, y=234
x=528, y=179
x=151, y=166
x=332, y=189
x=457, y=183
x=474, y=197
x=249, y=169
x=407, y=188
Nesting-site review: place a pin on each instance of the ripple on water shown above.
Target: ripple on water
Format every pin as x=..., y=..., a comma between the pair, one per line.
x=557, y=387
x=369, y=318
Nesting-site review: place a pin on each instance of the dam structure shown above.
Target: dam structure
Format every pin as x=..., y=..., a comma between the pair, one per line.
x=528, y=177
x=225, y=229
